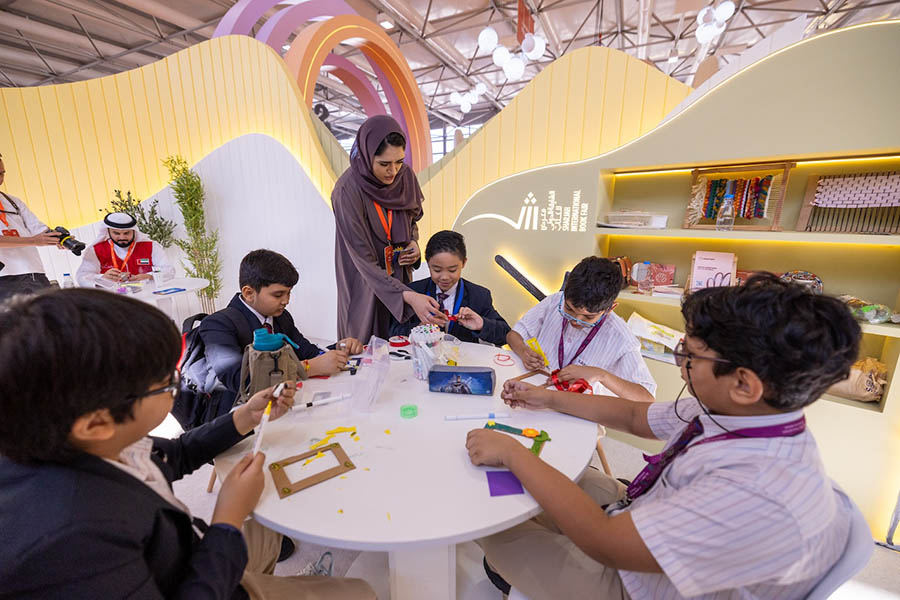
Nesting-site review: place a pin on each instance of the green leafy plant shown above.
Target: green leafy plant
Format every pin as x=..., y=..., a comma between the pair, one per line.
x=200, y=246
x=149, y=221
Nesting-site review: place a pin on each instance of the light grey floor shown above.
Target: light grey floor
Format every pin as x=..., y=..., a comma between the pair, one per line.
x=880, y=580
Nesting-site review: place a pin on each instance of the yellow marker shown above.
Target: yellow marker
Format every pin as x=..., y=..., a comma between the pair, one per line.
x=387, y=431
x=321, y=442
x=534, y=345
x=337, y=430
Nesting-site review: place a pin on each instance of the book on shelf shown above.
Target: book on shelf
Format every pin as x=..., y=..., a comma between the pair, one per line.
x=669, y=291
x=634, y=219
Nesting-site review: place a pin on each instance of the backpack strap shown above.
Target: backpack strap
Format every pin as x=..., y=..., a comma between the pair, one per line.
x=188, y=324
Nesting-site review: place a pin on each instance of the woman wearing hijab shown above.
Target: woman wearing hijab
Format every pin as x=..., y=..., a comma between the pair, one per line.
x=377, y=202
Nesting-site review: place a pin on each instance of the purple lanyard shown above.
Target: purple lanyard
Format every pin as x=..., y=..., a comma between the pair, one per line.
x=658, y=462
x=584, y=343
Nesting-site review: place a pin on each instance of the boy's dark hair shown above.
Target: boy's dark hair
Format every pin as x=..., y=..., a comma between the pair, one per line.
x=446, y=241
x=393, y=139
x=66, y=353
x=265, y=267
x=594, y=284
x=797, y=342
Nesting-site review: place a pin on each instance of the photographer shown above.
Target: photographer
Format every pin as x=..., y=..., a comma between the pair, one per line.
x=22, y=231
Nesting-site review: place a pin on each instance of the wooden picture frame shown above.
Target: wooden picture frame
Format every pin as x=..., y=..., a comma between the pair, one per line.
x=286, y=487
x=776, y=195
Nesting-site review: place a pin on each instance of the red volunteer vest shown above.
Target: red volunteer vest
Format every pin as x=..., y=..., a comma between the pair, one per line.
x=140, y=261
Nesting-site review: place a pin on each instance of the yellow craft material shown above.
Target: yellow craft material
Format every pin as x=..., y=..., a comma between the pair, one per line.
x=309, y=460
x=534, y=345
x=321, y=442
x=387, y=431
x=341, y=430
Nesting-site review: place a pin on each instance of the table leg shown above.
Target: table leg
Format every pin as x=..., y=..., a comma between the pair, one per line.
x=428, y=572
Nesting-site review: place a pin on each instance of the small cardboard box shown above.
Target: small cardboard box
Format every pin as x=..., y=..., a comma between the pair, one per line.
x=461, y=380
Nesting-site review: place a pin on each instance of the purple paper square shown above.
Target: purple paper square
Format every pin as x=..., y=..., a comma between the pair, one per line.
x=503, y=483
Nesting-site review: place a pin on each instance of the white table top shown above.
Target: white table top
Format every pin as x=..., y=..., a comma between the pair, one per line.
x=416, y=485
x=188, y=284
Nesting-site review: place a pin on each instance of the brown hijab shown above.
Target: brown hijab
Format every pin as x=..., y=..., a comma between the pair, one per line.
x=403, y=193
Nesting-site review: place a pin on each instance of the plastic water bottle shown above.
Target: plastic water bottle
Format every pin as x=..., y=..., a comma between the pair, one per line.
x=725, y=217
x=640, y=274
x=67, y=281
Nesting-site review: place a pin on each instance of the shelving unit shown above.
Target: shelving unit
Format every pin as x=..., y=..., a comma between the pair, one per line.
x=864, y=265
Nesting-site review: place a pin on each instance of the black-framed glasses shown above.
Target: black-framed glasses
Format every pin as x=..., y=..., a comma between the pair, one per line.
x=172, y=388
x=682, y=356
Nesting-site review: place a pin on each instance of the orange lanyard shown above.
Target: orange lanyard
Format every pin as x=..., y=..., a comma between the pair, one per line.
x=3, y=212
x=112, y=253
x=387, y=224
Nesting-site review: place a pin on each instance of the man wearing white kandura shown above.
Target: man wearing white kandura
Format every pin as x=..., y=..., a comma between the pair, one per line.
x=122, y=253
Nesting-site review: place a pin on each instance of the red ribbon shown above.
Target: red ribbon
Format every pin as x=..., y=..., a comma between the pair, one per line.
x=579, y=386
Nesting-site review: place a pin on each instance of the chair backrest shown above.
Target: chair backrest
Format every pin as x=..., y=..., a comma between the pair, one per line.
x=859, y=549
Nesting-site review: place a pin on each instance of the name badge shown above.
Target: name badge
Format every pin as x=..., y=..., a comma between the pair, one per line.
x=11, y=233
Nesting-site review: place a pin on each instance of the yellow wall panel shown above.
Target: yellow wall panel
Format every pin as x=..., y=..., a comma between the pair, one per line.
x=539, y=133
x=674, y=95
x=524, y=101
x=491, y=133
x=476, y=162
x=654, y=100
x=67, y=147
x=593, y=107
x=613, y=98
x=507, y=149
x=632, y=105
x=575, y=106
x=556, y=116
x=448, y=207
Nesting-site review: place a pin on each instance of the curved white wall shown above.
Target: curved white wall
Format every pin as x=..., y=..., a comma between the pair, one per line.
x=257, y=196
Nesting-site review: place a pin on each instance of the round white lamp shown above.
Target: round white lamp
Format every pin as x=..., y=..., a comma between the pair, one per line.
x=487, y=39
x=500, y=56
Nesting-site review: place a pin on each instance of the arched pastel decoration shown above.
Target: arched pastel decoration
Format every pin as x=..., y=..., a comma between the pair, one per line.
x=241, y=17
x=392, y=99
x=276, y=30
x=357, y=81
x=312, y=46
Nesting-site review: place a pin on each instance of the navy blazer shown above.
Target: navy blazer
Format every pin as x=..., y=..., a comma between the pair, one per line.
x=87, y=529
x=476, y=297
x=224, y=350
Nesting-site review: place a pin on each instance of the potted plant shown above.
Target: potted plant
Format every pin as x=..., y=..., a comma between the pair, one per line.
x=200, y=247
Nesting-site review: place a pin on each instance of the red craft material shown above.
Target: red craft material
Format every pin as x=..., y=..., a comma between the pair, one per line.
x=579, y=386
x=398, y=341
x=450, y=317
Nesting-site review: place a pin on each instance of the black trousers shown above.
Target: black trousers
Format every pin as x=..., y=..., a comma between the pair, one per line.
x=28, y=283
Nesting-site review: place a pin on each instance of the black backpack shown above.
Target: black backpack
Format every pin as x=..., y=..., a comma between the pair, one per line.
x=202, y=396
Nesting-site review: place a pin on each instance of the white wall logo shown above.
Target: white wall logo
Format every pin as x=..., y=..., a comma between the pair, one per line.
x=551, y=217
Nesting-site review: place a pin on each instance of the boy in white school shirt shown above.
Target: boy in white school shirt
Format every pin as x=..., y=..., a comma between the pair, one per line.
x=582, y=336
x=737, y=506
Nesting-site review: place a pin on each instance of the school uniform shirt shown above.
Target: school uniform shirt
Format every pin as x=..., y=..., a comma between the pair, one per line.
x=474, y=296
x=614, y=348
x=90, y=271
x=741, y=518
x=20, y=261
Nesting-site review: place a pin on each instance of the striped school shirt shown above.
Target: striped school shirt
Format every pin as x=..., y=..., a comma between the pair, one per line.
x=614, y=348
x=737, y=519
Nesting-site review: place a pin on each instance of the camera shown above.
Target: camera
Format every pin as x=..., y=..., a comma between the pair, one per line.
x=68, y=242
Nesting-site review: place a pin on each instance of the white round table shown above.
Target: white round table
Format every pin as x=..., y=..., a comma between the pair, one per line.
x=414, y=492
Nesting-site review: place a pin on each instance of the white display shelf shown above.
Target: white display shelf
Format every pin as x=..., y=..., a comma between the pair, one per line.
x=759, y=236
x=891, y=330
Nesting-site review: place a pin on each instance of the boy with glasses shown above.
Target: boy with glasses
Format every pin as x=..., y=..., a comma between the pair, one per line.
x=736, y=506
x=582, y=337
x=86, y=502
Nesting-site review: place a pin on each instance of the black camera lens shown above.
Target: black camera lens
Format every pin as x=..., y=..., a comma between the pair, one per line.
x=68, y=242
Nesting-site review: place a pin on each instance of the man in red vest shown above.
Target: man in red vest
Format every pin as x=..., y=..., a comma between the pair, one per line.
x=122, y=254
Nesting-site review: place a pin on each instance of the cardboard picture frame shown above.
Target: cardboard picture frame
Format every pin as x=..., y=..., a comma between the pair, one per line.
x=724, y=264
x=285, y=487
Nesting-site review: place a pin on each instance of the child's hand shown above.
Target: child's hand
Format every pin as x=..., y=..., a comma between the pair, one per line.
x=518, y=394
x=240, y=491
x=576, y=372
x=330, y=363
x=256, y=405
x=470, y=319
x=490, y=448
x=410, y=254
x=351, y=345
x=531, y=359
